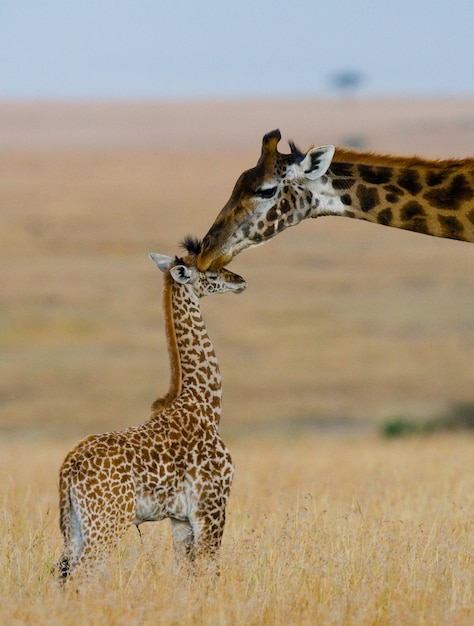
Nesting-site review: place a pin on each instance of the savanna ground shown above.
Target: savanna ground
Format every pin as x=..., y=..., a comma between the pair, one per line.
x=344, y=325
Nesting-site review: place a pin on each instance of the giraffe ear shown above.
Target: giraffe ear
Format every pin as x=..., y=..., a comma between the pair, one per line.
x=161, y=260
x=317, y=161
x=181, y=274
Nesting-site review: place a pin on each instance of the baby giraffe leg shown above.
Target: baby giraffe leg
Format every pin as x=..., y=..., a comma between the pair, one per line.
x=183, y=539
x=99, y=540
x=208, y=535
x=208, y=531
x=92, y=525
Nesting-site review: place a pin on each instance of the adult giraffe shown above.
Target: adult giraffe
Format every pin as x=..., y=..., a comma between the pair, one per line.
x=430, y=197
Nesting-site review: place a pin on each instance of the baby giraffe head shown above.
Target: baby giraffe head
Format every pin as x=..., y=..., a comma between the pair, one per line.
x=184, y=271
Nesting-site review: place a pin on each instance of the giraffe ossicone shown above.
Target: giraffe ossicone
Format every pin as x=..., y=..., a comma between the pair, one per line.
x=175, y=465
x=430, y=197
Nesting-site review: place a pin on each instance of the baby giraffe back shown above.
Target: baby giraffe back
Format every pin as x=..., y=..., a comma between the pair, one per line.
x=175, y=465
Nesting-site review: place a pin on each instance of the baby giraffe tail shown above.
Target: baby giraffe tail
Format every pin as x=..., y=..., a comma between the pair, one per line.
x=70, y=527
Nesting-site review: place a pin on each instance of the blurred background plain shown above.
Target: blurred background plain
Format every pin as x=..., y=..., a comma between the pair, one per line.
x=124, y=125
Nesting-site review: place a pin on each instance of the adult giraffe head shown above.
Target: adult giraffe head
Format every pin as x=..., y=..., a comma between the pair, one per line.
x=280, y=191
x=424, y=196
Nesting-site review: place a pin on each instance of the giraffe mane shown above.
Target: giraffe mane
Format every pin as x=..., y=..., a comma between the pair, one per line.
x=346, y=155
x=192, y=244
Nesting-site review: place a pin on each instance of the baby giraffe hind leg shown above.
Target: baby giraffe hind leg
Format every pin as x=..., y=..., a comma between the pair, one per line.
x=102, y=521
x=99, y=540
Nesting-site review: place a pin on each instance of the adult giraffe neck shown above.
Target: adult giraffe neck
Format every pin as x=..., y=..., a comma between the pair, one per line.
x=430, y=197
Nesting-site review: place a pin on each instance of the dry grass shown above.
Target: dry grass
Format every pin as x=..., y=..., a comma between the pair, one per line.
x=343, y=325
x=321, y=530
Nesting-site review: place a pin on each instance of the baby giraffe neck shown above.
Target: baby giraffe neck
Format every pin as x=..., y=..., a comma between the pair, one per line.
x=200, y=375
x=173, y=352
x=194, y=368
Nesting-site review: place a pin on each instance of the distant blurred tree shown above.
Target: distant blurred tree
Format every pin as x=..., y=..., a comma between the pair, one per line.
x=346, y=81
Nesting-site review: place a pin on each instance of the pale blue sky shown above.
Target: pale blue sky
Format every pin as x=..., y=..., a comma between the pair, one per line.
x=173, y=49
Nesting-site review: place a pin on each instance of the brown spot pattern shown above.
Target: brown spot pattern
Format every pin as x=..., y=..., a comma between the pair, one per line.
x=451, y=196
x=375, y=175
x=412, y=210
x=451, y=226
x=385, y=216
x=409, y=179
x=368, y=197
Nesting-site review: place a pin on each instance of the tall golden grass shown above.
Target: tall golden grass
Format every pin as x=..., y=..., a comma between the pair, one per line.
x=321, y=529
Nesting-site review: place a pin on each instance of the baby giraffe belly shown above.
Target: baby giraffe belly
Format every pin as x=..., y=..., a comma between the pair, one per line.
x=153, y=505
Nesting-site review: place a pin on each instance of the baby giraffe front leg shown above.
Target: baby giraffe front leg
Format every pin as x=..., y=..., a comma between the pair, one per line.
x=183, y=539
x=197, y=547
x=208, y=529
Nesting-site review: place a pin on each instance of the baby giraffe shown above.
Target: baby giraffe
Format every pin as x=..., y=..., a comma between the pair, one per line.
x=175, y=465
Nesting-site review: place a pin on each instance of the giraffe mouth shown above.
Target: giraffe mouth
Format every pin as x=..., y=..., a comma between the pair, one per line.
x=240, y=287
x=212, y=261
x=215, y=251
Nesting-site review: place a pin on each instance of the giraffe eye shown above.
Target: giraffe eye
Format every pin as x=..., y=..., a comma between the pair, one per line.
x=213, y=277
x=266, y=192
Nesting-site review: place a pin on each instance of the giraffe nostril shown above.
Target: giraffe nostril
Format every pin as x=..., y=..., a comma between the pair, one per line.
x=205, y=244
x=210, y=239
x=241, y=286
